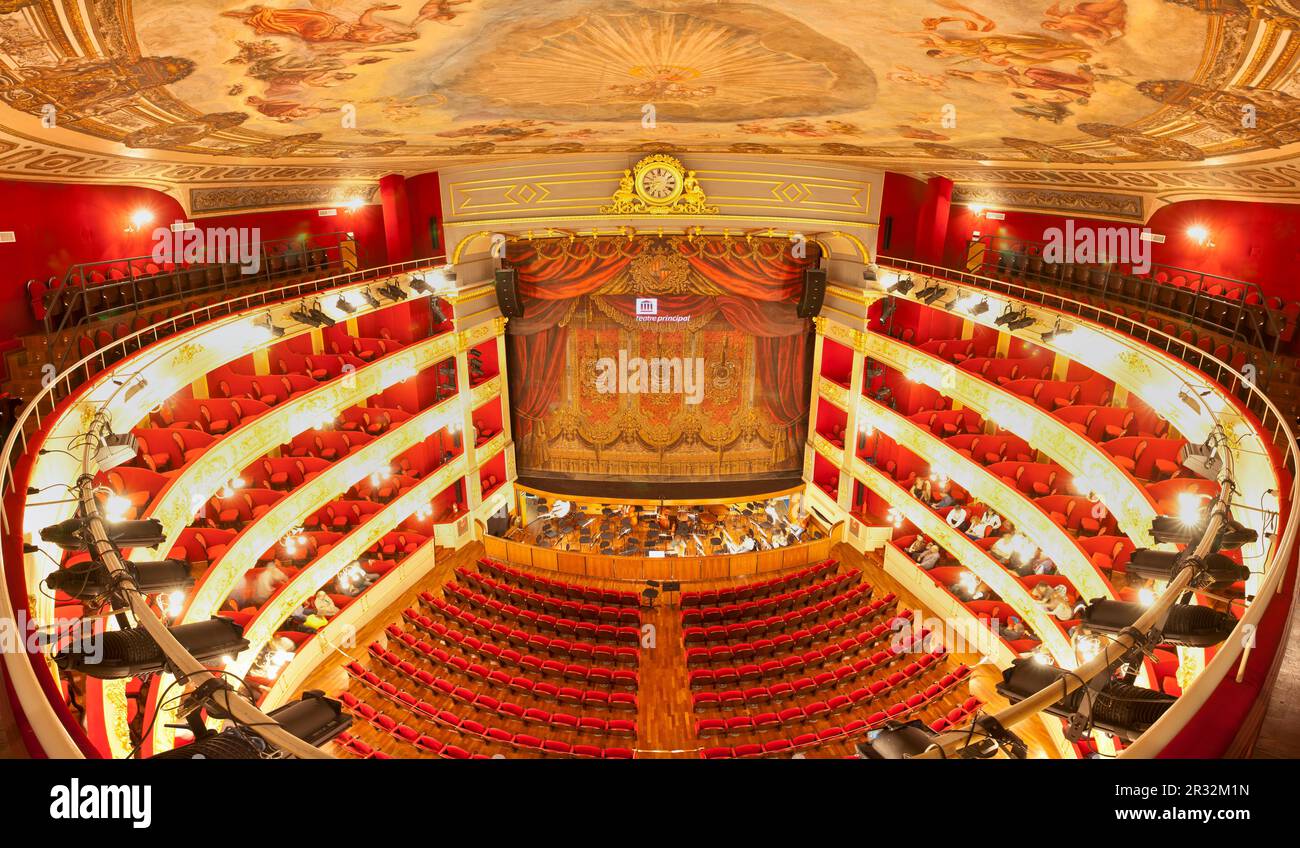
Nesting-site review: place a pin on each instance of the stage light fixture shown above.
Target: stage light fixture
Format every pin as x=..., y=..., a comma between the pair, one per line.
x=269, y=325
x=1163, y=565
x=930, y=294
x=369, y=297
x=314, y=718
x=1187, y=625
x=1189, y=400
x=90, y=579
x=71, y=535
x=449, y=273
x=393, y=291
x=1022, y=321
x=439, y=317
x=1057, y=333
x=419, y=285
x=902, y=287
x=344, y=304
x=135, y=387
x=311, y=315
x=1119, y=708
x=1201, y=460
x=870, y=273
x=897, y=741
x=230, y=744
x=115, y=449
x=978, y=308
x=133, y=652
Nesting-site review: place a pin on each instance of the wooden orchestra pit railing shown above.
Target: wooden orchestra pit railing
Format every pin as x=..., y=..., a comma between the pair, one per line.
x=636, y=569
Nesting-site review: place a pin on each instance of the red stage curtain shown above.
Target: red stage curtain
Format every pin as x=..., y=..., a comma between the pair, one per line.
x=770, y=272
x=551, y=274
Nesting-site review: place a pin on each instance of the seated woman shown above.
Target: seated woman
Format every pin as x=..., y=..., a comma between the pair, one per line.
x=985, y=525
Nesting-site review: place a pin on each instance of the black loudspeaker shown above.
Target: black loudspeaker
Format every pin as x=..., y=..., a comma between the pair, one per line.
x=814, y=292
x=508, y=293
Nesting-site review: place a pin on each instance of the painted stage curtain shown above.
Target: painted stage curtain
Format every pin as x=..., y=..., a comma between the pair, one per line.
x=761, y=281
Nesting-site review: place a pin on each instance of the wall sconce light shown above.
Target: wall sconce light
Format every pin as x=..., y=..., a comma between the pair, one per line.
x=139, y=219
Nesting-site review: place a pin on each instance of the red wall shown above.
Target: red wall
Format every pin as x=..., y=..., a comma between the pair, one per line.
x=424, y=201
x=1256, y=242
x=901, y=200
x=366, y=223
x=61, y=225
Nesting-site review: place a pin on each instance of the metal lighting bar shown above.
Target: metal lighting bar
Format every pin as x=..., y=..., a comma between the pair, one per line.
x=238, y=707
x=951, y=742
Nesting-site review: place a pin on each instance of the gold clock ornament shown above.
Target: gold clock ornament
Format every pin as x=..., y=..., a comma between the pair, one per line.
x=659, y=185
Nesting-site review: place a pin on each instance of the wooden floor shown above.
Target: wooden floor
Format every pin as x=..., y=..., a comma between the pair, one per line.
x=665, y=720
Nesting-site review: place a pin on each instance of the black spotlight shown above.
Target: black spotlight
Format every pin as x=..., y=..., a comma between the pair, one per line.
x=314, y=719
x=1119, y=708
x=420, y=286
x=903, y=286
x=133, y=652
x=90, y=579
x=869, y=273
x=369, y=297
x=931, y=294
x=232, y=743
x=897, y=741
x=344, y=304
x=274, y=330
x=1164, y=565
x=1056, y=333
x=1009, y=316
x=71, y=535
x=980, y=308
x=393, y=291
x=311, y=315
x=1193, y=626
x=1021, y=322
x=439, y=318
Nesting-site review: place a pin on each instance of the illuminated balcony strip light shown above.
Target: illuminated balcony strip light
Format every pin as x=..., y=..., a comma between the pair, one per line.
x=1124, y=496
x=1071, y=560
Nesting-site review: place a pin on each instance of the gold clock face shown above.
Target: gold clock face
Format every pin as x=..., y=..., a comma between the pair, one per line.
x=659, y=184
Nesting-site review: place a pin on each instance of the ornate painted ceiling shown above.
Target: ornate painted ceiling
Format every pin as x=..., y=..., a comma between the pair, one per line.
x=230, y=104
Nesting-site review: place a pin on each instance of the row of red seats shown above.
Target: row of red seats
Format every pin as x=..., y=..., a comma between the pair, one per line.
x=795, y=622
x=838, y=652
x=605, y=634
x=754, y=591
x=497, y=678
x=745, y=724
x=730, y=699
x=489, y=704
x=807, y=741
x=559, y=588
x=537, y=602
x=771, y=606
x=469, y=728
x=595, y=675
x=753, y=631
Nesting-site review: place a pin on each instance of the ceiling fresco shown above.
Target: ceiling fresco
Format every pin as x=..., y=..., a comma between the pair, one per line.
x=214, y=92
